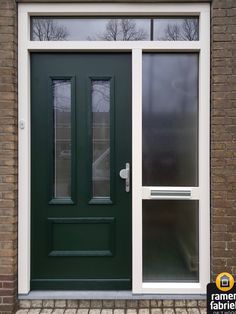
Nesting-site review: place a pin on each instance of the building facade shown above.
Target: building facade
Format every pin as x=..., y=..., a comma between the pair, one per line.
x=44, y=183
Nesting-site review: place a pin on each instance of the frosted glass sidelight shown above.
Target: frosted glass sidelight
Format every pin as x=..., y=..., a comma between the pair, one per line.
x=170, y=119
x=170, y=241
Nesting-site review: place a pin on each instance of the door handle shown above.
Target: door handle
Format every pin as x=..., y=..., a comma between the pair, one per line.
x=125, y=174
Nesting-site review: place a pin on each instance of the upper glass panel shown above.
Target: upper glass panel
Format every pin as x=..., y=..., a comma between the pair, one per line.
x=114, y=29
x=170, y=119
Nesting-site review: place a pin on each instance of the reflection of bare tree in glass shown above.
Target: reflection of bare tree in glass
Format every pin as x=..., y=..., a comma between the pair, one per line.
x=48, y=29
x=101, y=96
x=188, y=30
x=122, y=29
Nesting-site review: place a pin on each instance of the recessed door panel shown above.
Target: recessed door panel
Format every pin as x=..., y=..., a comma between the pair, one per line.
x=81, y=139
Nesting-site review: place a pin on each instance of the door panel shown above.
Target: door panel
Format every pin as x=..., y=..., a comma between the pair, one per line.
x=81, y=139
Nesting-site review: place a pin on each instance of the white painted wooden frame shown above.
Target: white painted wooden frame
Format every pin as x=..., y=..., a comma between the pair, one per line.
x=25, y=46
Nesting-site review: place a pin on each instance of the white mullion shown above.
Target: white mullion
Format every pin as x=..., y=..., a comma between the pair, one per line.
x=137, y=169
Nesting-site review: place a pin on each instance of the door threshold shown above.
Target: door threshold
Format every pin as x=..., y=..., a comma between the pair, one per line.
x=104, y=295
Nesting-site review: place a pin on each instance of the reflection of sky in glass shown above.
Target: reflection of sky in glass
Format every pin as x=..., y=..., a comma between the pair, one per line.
x=123, y=29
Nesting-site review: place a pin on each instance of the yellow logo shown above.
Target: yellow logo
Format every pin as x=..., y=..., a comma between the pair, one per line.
x=224, y=281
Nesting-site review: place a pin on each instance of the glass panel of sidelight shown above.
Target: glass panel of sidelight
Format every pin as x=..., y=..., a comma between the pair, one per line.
x=170, y=241
x=170, y=119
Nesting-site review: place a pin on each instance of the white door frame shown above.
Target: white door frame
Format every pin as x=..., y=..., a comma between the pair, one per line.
x=202, y=193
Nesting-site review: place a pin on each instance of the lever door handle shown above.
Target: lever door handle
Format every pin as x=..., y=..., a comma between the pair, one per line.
x=125, y=174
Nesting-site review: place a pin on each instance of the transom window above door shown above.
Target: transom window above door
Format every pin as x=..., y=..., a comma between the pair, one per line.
x=125, y=28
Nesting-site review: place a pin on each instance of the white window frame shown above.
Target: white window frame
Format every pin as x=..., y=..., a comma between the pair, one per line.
x=25, y=46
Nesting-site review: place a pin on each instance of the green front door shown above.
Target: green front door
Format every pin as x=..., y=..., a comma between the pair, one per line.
x=80, y=139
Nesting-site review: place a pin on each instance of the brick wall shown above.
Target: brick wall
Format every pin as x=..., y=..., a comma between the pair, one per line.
x=223, y=134
x=8, y=156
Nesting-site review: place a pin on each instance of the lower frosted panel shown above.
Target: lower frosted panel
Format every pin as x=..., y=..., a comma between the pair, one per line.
x=170, y=241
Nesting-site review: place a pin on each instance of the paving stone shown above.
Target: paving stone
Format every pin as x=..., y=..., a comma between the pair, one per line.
x=72, y=304
x=180, y=303
x=24, y=304
x=168, y=311
x=168, y=303
x=95, y=311
x=48, y=303
x=202, y=303
x=22, y=311
x=46, y=311
x=143, y=311
x=120, y=304
x=70, y=311
x=191, y=303
x=144, y=303
x=180, y=310
x=107, y=311
x=96, y=304
x=84, y=304
x=156, y=311
x=82, y=311
x=34, y=311
x=156, y=303
x=132, y=303
x=58, y=311
x=119, y=311
x=60, y=303
x=193, y=311
x=108, y=304
x=203, y=310
x=36, y=304
x=131, y=311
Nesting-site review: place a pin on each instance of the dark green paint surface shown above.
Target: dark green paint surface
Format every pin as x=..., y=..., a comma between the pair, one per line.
x=79, y=243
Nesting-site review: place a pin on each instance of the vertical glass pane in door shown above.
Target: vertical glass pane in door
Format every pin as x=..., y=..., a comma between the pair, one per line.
x=170, y=241
x=170, y=119
x=62, y=137
x=101, y=138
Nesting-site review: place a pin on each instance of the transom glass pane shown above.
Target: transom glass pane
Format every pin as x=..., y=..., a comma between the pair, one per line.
x=114, y=29
x=176, y=29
